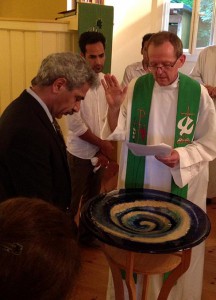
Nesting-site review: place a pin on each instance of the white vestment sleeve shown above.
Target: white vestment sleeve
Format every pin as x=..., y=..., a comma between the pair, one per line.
x=120, y=131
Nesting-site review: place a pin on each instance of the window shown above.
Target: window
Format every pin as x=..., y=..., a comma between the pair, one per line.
x=193, y=21
x=71, y=4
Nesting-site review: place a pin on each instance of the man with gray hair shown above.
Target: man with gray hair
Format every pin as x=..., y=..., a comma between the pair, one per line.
x=33, y=159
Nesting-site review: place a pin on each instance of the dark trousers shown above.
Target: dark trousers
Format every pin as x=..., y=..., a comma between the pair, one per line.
x=85, y=185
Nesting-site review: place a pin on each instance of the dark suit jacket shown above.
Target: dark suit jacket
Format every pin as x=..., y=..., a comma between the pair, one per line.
x=33, y=160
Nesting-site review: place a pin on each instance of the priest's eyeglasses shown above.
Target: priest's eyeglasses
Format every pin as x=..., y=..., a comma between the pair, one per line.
x=166, y=66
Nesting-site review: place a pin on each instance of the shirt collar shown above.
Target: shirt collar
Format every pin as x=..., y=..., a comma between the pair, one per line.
x=34, y=95
x=139, y=66
x=171, y=86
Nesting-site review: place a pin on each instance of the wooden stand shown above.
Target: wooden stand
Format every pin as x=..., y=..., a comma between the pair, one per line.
x=146, y=264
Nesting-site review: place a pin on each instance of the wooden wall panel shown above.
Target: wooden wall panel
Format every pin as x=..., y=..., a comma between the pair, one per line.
x=18, y=63
x=49, y=43
x=23, y=45
x=5, y=69
x=33, y=54
x=63, y=43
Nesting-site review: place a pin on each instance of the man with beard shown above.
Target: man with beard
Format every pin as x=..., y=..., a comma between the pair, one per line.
x=33, y=159
x=88, y=154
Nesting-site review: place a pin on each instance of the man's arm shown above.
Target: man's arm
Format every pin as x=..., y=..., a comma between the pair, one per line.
x=196, y=72
x=106, y=147
x=112, y=117
x=77, y=125
x=200, y=69
x=211, y=90
x=115, y=96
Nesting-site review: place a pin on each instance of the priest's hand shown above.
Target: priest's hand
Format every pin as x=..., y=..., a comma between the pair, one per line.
x=115, y=94
x=171, y=161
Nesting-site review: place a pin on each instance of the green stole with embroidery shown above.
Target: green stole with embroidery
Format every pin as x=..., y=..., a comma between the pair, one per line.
x=186, y=119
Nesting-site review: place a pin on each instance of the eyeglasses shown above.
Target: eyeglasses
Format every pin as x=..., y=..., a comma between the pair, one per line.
x=166, y=66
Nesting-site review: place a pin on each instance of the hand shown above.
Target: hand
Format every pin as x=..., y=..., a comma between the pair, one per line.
x=171, y=161
x=211, y=91
x=103, y=161
x=111, y=170
x=106, y=148
x=115, y=95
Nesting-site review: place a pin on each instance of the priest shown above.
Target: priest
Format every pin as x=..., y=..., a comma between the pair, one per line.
x=165, y=106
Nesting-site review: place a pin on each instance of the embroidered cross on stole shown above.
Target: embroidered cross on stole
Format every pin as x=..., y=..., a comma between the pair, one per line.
x=186, y=119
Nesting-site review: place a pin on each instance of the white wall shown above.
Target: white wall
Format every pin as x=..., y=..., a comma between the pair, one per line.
x=133, y=19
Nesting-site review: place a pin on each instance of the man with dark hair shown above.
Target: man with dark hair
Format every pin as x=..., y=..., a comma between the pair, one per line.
x=33, y=160
x=91, y=37
x=165, y=106
x=88, y=154
x=139, y=68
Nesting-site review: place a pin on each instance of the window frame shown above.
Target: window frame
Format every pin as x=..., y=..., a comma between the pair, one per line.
x=192, y=52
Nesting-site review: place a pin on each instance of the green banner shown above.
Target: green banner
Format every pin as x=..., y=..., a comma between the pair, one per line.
x=95, y=17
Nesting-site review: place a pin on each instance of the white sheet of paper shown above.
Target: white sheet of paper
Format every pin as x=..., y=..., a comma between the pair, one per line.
x=144, y=150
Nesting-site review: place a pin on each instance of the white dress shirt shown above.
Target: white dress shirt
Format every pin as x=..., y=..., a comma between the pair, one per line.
x=91, y=116
x=133, y=71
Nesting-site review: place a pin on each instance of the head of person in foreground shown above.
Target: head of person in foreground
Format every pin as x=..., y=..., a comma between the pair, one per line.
x=38, y=253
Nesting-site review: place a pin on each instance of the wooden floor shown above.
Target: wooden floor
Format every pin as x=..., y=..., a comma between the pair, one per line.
x=93, y=277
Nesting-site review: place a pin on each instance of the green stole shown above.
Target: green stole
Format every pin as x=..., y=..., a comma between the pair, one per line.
x=186, y=119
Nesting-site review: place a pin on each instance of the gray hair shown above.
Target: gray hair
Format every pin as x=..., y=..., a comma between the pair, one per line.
x=66, y=65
